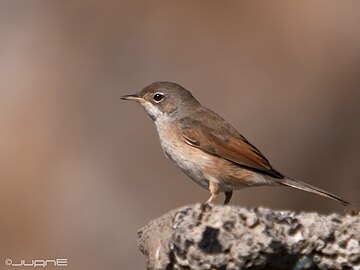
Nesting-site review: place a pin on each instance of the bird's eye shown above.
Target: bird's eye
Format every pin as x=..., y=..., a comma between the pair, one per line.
x=158, y=97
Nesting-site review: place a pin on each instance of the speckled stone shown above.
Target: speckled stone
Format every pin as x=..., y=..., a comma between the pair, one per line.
x=231, y=237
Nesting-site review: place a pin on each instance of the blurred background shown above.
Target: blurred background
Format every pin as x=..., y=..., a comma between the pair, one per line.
x=81, y=171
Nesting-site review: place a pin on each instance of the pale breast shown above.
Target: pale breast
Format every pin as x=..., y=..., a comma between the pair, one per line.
x=191, y=160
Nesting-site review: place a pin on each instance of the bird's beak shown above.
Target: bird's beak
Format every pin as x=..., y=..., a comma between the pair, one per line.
x=133, y=97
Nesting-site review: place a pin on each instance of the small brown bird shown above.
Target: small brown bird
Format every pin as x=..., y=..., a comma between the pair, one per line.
x=206, y=147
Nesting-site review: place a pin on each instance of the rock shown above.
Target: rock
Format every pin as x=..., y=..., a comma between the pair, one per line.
x=231, y=237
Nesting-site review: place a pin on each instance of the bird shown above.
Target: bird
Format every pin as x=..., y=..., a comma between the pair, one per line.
x=207, y=148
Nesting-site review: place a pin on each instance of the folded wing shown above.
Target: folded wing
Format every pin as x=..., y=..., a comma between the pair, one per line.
x=228, y=145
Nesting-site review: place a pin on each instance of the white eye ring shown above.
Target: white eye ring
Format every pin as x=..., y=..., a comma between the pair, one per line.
x=158, y=97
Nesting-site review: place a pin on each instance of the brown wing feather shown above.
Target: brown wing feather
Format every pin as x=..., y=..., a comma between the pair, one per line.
x=228, y=145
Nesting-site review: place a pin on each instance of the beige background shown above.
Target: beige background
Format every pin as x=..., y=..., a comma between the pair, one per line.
x=81, y=171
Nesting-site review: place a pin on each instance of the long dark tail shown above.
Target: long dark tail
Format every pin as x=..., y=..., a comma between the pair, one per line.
x=309, y=188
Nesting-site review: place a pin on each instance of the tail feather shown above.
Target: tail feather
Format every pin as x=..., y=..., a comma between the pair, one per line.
x=309, y=188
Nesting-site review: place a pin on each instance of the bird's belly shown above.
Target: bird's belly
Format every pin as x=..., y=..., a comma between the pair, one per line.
x=190, y=160
x=191, y=163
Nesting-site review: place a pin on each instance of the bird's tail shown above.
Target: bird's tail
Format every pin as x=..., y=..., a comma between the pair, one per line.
x=309, y=188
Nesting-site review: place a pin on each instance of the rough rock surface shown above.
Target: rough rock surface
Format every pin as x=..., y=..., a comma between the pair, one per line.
x=230, y=237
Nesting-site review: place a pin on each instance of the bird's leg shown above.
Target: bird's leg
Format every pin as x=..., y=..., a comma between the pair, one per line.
x=214, y=189
x=228, y=195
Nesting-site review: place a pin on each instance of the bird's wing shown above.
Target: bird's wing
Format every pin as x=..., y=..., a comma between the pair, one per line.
x=227, y=143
